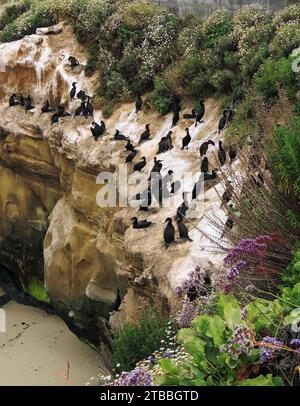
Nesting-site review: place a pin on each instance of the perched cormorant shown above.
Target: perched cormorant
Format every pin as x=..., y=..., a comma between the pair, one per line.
x=168, y=177
x=169, y=232
x=204, y=147
x=84, y=110
x=46, y=108
x=169, y=143
x=120, y=137
x=73, y=91
x=223, y=121
x=197, y=188
x=73, y=61
x=232, y=152
x=140, y=223
x=182, y=228
x=204, y=165
x=138, y=103
x=146, y=134
x=186, y=139
x=82, y=95
x=175, y=105
x=61, y=111
x=165, y=144
x=129, y=146
x=213, y=175
x=140, y=165
x=97, y=130
x=175, y=186
x=156, y=167
x=131, y=155
x=89, y=107
x=221, y=154
x=28, y=103
x=182, y=209
x=78, y=110
x=227, y=195
x=200, y=113
x=22, y=101
x=190, y=116
x=175, y=118
x=55, y=118
x=12, y=100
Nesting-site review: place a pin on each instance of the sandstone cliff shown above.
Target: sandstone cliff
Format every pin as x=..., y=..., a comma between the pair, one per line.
x=48, y=190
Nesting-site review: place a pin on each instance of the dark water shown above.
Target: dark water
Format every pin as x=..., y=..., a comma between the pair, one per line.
x=206, y=7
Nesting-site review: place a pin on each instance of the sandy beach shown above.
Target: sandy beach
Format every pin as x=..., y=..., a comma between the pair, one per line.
x=39, y=349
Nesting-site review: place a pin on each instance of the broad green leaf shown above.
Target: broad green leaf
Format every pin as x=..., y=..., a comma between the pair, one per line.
x=215, y=330
x=184, y=334
x=262, y=380
x=201, y=323
x=168, y=366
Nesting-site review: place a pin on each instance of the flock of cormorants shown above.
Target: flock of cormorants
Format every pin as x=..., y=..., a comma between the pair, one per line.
x=165, y=144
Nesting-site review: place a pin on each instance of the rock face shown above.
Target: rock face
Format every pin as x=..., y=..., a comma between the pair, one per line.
x=51, y=225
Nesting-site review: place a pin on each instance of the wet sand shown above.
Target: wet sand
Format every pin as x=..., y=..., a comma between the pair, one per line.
x=37, y=349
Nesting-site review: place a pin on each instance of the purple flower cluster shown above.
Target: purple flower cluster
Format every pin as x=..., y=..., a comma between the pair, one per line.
x=136, y=377
x=195, y=281
x=268, y=353
x=221, y=283
x=253, y=248
x=295, y=342
x=187, y=314
x=240, y=343
x=235, y=269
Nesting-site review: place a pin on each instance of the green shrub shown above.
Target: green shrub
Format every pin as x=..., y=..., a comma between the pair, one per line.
x=275, y=73
x=244, y=124
x=284, y=154
x=215, y=27
x=26, y=24
x=135, y=342
x=128, y=67
x=287, y=38
x=162, y=96
x=92, y=61
x=11, y=11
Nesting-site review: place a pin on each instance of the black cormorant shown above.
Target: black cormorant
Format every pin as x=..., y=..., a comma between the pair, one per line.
x=204, y=165
x=140, y=165
x=183, y=231
x=186, y=139
x=138, y=103
x=232, y=152
x=140, y=223
x=204, y=147
x=73, y=91
x=169, y=232
x=73, y=61
x=200, y=113
x=146, y=134
x=221, y=154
